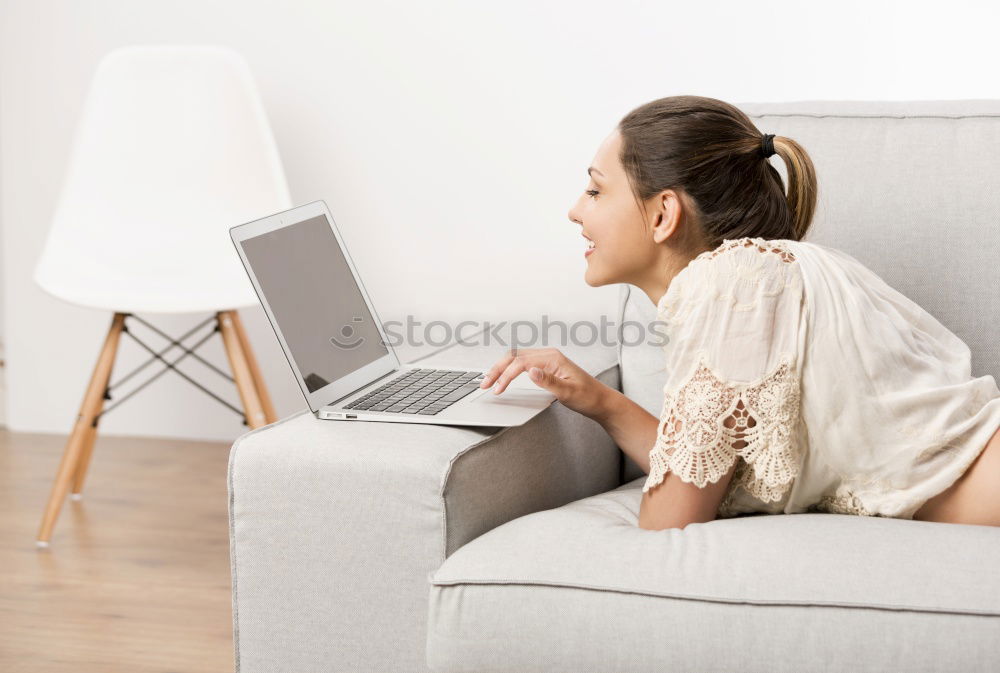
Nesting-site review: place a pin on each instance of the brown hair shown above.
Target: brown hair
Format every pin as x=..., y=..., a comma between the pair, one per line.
x=711, y=151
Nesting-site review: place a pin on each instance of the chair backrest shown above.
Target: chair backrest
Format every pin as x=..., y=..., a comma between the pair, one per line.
x=910, y=189
x=172, y=149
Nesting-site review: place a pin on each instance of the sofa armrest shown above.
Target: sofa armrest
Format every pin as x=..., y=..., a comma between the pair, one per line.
x=335, y=526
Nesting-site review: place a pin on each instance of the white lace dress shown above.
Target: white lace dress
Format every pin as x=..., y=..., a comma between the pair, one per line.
x=832, y=390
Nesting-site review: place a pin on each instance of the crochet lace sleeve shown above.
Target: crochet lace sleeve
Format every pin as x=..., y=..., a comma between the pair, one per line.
x=732, y=320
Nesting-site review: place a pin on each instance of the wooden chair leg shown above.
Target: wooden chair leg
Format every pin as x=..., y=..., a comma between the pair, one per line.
x=78, y=439
x=89, y=436
x=259, y=384
x=241, y=371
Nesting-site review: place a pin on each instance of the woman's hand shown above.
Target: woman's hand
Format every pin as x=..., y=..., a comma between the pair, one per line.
x=553, y=371
x=631, y=427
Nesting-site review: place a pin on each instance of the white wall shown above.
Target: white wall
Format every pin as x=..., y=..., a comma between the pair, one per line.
x=448, y=138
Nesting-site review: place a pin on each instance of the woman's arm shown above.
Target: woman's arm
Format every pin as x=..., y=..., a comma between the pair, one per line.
x=672, y=503
x=632, y=427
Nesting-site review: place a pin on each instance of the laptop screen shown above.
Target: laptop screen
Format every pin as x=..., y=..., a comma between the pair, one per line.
x=309, y=287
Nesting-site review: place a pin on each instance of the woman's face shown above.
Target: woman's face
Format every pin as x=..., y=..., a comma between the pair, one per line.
x=624, y=249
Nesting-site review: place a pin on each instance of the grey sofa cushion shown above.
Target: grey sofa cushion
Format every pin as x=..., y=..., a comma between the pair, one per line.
x=335, y=525
x=582, y=588
x=907, y=188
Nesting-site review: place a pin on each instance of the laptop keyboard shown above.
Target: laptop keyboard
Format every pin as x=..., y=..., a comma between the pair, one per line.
x=421, y=391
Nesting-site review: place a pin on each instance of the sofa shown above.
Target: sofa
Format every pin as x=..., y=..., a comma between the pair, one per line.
x=397, y=547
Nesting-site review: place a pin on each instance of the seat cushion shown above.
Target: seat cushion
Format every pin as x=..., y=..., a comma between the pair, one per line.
x=582, y=588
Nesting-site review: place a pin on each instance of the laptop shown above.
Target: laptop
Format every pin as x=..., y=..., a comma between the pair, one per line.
x=336, y=345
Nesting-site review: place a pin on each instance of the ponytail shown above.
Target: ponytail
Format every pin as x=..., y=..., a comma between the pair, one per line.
x=801, y=197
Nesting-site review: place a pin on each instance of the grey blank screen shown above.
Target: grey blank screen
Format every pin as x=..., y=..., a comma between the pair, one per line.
x=305, y=278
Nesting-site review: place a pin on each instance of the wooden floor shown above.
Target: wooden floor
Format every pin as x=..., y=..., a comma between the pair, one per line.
x=137, y=575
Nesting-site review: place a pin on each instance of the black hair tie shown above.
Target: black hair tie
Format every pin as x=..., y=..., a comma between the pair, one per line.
x=766, y=146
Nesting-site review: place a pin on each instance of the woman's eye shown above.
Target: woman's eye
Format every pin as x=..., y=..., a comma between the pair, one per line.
x=591, y=192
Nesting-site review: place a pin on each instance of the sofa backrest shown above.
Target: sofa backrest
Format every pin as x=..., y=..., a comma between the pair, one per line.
x=911, y=190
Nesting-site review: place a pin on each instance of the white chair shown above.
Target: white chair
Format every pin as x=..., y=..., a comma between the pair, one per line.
x=173, y=149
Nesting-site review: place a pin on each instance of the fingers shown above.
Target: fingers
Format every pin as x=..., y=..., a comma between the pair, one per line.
x=516, y=362
x=544, y=360
x=497, y=368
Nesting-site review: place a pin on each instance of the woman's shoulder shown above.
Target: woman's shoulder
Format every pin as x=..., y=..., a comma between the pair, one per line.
x=746, y=258
x=739, y=270
x=775, y=249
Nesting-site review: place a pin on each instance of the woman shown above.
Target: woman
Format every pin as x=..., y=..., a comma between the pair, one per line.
x=797, y=379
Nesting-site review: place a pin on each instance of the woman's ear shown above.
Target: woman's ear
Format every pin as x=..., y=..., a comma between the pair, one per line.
x=667, y=213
